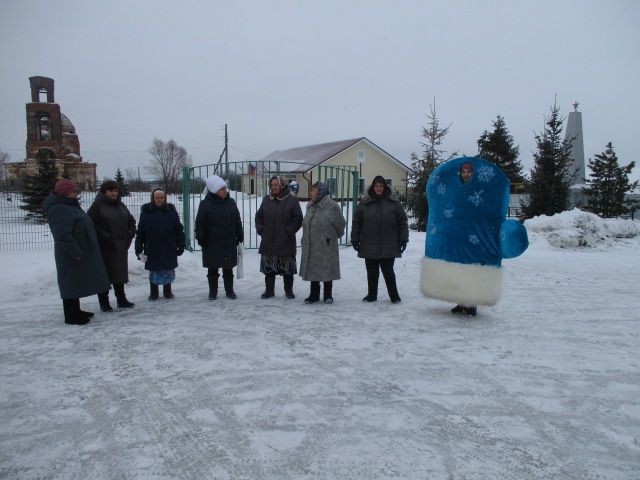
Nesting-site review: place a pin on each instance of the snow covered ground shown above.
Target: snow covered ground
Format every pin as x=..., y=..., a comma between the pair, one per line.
x=545, y=385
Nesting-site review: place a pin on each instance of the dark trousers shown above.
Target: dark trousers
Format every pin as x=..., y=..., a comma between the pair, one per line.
x=374, y=266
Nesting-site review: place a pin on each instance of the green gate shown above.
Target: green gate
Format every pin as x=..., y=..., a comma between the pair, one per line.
x=249, y=182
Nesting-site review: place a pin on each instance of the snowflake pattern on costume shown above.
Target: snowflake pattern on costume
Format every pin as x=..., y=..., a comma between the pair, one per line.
x=434, y=178
x=474, y=239
x=442, y=188
x=486, y=174
x=433, y=230
x=476, y=198
x=448, y=212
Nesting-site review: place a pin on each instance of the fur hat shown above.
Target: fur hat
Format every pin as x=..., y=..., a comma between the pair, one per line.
x=108, y=185
x=65, y=186
x=215, y=183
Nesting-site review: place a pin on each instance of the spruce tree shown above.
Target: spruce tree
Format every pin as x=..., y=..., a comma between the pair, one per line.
x=38, y=187
x=423, y=165
x=550, y=180
x=123, y=188
x=608, y=185
x=498, y=147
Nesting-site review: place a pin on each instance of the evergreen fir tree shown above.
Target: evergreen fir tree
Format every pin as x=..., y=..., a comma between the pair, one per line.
x=550, y=180
x=423, y=165
x=498, y=147
x=123, y=188
x=38, y=187
x=608, y=185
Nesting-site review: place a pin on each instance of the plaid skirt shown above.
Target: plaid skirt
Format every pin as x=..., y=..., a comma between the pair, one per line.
x=270, y=264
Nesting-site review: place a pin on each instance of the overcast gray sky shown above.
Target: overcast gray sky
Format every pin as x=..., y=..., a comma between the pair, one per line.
x=292, y=73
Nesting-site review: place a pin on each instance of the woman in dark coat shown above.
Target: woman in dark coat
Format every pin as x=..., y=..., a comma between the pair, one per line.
x=116, y=228
x=277, y=221
x=380, y=234
x=80, y=268
x=159, y=242
x=322, y=226
x=219, y=232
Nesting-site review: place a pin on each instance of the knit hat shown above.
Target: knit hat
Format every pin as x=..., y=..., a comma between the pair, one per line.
x=215, y=183
x=466, y=166
x=65, y=186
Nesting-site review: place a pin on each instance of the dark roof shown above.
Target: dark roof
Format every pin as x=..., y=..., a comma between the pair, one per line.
x=312, y=155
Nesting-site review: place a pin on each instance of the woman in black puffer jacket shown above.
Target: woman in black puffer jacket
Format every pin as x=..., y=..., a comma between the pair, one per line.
x=379, y=233
x=116, y=228
x=218, y=232
x=159, y=242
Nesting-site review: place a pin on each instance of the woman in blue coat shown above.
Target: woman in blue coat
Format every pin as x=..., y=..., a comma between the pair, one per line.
x=81, y=271
x=159, y=242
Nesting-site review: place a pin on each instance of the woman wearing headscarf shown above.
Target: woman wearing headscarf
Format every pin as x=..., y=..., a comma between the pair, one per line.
x=79, y=265
x=159, y=242
x=219, y=232
x=380, y=234
x=322, y=226
x=277, y=221
x=116, y=228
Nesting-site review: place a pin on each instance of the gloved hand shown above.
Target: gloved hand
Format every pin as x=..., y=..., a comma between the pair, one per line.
x=403, y=246
x=179, y=251
x=356, y=246
x=142, y=257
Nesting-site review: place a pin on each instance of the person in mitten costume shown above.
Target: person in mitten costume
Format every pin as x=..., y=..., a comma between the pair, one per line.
x=468, y=234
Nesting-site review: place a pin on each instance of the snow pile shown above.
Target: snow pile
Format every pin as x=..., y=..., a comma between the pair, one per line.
x=576, y=228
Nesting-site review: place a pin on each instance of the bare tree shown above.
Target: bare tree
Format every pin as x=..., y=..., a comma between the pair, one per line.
x=167, y=163
x=4, y=158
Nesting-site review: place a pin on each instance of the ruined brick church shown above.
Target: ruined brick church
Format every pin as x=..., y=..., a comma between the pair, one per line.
x=51, y=133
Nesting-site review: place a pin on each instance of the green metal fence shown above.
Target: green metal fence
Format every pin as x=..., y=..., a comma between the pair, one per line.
x=249, y=183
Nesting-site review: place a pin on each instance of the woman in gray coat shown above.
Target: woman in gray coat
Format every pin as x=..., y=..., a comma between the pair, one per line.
x=277, y=221
x=322, y=226
x=80, y=268
x=379, y=234
x=116, y=228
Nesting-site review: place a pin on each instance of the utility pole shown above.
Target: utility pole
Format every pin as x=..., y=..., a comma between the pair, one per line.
x=226, y=151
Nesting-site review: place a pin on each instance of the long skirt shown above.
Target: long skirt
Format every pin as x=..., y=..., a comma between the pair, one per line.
x=162, y=277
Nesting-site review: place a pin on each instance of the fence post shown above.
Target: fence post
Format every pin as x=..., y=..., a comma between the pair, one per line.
x=186, y=206
x=356, y=195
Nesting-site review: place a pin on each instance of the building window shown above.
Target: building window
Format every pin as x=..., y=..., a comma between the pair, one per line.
x=363, y=186
x=332, y=185
x=389, y=181
x=44, y=127
x=43, y=95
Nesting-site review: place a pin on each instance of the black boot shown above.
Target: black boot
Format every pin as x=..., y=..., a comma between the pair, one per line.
x=270, y=284
x=166, y=290
x=227, y=278
x=121, y=297
x=471, y=311
x=373, y=273
x=314, y=294
x=457, y=309
x=288, y=286
x=154, y=292
x=328, y=290
x=72, y=313
x=103, y=299
x=213, y=285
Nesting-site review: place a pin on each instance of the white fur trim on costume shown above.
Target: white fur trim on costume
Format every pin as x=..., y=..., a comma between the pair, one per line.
x=461, y=283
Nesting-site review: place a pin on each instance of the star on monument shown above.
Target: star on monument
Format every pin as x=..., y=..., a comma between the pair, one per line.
x=575, y=106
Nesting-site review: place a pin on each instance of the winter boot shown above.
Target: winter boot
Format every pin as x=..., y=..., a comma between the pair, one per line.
x=227, y=278
x=270, y=284
x=166, y=291
x=328, y=290
x=457, y=309
x=372, y=285
x=103, y=299
x=288, y=286
x=213, y=285
x=121, y=297
x=392, y=287
x=314, y=295
x=471, y=311
x=87, y=314
x=72, y=314
x=154, y=292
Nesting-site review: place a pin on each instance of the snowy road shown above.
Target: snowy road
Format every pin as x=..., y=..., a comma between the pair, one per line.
x=546, y=385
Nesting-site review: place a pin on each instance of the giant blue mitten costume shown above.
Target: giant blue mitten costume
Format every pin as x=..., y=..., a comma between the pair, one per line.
x=467, y=233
